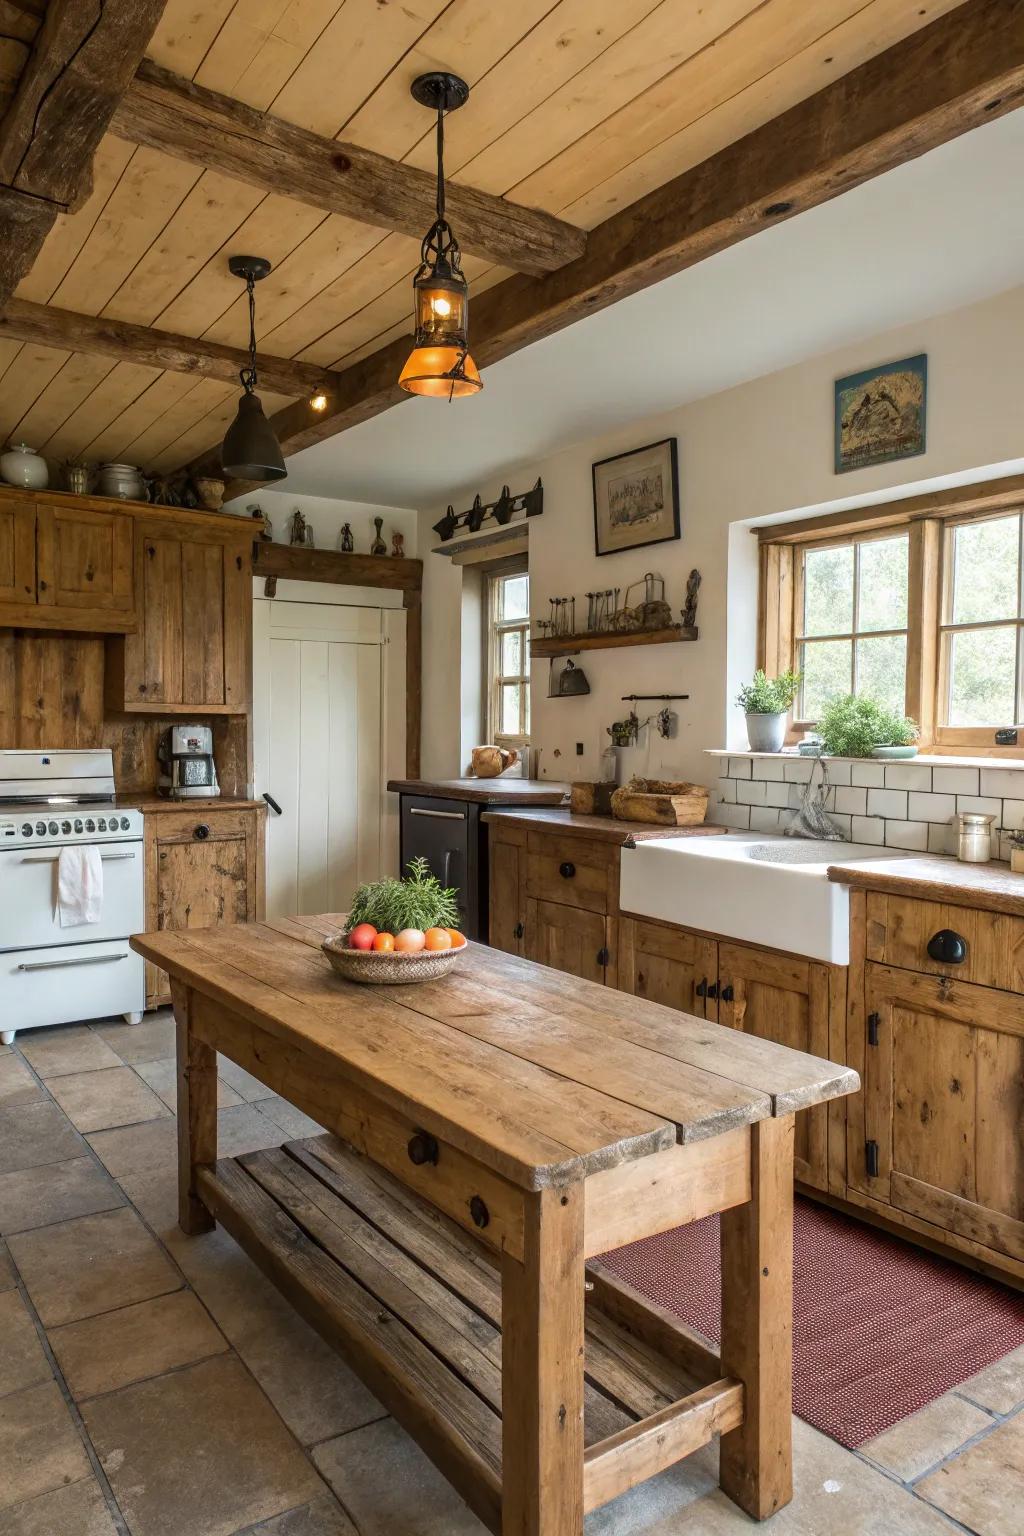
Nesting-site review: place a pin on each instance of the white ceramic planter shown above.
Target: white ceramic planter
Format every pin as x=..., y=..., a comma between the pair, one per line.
x=23, y=466
x=766, y=733
x=123, y=481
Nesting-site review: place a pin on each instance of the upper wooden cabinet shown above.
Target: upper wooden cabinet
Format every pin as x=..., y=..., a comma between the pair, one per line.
x=191, y=652
x=65, y=565
x=17, y=553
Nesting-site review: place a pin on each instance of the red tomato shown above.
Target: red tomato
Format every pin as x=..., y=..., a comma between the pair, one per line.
x=362, y=936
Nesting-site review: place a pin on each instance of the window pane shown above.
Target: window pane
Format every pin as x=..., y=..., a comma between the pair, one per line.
x=515, y=597
x=985, y=571
x=828, y=590
x=827, y=669
x=883, y=584
x=882, y=670
x=981, y=677
x=512, y=653
x=510, y=708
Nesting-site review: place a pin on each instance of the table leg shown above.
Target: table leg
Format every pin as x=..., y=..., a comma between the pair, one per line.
x=197, y=1113
x=756, y=1466
x=542, y=1371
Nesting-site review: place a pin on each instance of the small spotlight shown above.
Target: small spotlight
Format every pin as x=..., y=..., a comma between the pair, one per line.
x=318, y=402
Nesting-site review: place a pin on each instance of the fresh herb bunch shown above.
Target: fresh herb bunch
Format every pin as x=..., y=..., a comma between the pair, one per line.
x=852, y=726
x=769, y=695
x=419, y=901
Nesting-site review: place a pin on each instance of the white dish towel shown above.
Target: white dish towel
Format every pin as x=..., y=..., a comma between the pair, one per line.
x=79, y=885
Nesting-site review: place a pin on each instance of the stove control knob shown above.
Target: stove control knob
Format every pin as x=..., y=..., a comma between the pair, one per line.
x=53, y=829
x=40, y=827
x=26, y=830
x=102, y=824
x=125, y=823
x=90, y=825
x=79, y=827
x=65, y=827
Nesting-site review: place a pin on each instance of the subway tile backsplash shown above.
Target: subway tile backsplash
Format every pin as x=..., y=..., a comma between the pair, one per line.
x=907, y=806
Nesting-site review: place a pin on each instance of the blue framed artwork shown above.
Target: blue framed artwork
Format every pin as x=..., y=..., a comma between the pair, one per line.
x=880, y=414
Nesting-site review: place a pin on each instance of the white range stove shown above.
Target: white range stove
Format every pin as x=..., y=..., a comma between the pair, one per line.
x=50, y=974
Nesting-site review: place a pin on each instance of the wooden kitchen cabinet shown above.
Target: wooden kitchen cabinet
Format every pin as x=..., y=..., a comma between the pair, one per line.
x=17, y=552
x=506, y=902
x=669, y=965
x=204, y=867
x=571, y=939
x=65, y=564
x=191, y=652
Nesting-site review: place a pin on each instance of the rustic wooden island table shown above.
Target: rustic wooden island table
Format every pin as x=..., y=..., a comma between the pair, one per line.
x=494, y=1131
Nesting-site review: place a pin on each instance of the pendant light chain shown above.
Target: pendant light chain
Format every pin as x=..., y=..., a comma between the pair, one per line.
x=248, y=375
x=440, y=162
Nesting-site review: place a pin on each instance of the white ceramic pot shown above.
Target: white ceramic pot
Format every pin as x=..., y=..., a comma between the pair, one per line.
x=23, y=466
x=766, y=733
x=123, y=481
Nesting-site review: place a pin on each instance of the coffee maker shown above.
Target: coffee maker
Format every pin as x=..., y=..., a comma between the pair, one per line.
x=185, y=753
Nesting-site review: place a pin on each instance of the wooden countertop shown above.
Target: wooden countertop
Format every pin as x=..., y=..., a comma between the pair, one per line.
x=540, y=1076
x=604, y=828
x=934, y=877
x=153, y=802
x=499, y=791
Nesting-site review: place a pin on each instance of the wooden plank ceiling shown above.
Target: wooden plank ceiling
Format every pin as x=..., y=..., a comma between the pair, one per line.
x=578, y=108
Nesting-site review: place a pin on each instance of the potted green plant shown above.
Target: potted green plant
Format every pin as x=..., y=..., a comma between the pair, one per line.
x=855, y=725
x=766, y=703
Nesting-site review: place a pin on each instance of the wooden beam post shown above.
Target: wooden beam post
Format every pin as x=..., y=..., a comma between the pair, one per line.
x=215, y=131
x=965, y=69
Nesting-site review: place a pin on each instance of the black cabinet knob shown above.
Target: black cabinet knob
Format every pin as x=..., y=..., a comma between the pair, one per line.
x=726, y=994
x=947, y=947
x=567, y=870
x=479, y=1212
x=422, y=1149
x=519, y=930
x=202, y=832
x=701, y=988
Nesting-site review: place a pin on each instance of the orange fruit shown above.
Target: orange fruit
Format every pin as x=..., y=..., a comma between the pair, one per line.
x=410, y=940
x=437, y=938
x=384, y=943
x=457, y=938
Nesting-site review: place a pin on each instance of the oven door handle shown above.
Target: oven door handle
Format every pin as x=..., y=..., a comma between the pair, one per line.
x=51, y=858
x=57, y=965
x=416, y=810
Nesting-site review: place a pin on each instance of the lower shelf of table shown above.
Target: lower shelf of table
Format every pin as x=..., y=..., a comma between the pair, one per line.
x=414, y=1305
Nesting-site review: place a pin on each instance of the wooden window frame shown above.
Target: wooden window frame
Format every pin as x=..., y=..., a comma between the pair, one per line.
x=929, y=521
x=495, y=629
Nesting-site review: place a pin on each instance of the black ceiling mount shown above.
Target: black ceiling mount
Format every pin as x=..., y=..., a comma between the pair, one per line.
x=255, y=267
x=440, y=89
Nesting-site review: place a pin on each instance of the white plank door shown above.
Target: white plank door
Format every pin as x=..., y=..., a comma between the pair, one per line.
x=324, y=741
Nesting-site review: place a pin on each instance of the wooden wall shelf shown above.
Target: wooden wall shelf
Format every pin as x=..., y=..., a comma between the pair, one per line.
x=294, y=562
x=570, y=645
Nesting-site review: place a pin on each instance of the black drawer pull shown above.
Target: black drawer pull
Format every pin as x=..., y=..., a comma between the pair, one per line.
x=726, y=994
x=423, y=1148
x=567, y=870
x=519, y=930
x=202, y=832
x=479, y=1212
x=947, y=947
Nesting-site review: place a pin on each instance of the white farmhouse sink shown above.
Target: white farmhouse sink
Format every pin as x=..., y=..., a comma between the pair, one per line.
x=773, y=891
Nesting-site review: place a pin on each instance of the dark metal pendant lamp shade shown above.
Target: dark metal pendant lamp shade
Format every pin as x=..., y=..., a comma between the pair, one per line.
x=250, y=450
x=439, y=364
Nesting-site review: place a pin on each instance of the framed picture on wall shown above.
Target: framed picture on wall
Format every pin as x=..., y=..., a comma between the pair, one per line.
x=636, y=498
x=880, y=414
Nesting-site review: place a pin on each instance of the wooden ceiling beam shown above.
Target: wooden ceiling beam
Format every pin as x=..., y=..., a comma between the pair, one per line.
x=51, y=327
x=205, y=128
x=963, y=70
x=83, y=57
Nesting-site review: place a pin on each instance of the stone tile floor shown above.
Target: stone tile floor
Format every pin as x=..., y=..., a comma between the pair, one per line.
x=156, y=1385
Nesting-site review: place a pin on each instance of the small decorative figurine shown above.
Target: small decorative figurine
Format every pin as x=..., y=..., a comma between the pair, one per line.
x=378, y=547
x=690, y=606
x=297, y=528
x=258, y=515
x=398, y=546
x=346, y=543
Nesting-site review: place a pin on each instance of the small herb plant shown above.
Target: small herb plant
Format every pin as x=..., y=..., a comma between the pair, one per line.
x=418, y=901
x=769, y=695
x=853, y=725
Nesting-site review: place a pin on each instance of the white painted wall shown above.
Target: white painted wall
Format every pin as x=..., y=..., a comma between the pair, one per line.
x=760, y=450
x=326, y=514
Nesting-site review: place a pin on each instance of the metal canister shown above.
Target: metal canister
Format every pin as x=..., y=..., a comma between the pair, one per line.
x=973, y=837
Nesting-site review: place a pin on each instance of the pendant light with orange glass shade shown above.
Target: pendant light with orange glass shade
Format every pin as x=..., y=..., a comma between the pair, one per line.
x=439, y=364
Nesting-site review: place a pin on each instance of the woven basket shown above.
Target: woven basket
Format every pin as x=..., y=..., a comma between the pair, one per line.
x=384, y=968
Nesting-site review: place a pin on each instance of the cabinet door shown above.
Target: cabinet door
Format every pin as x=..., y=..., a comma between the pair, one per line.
x=785, y=1000
x=943, y=1103
x=506, y=916
x=17, y=552
x=668, y=965
x=568, y=938
x=85, y=560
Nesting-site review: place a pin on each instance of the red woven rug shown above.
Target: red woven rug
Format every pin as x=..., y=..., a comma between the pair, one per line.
x=880, y=1328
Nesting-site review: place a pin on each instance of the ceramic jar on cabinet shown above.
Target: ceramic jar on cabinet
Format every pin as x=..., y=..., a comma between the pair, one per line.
x=23, y=467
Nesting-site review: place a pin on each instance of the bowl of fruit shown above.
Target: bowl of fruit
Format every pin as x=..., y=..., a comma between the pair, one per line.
x=399, y=931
